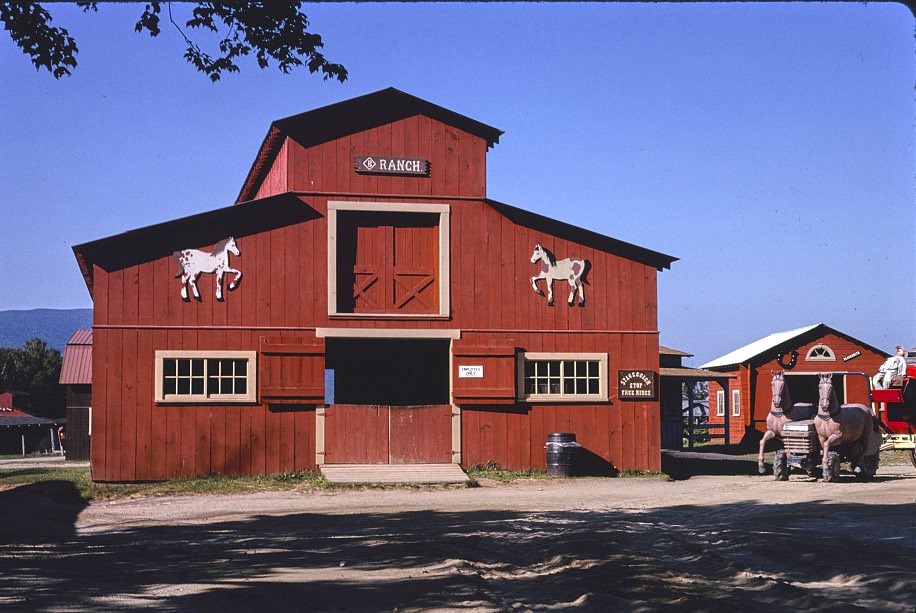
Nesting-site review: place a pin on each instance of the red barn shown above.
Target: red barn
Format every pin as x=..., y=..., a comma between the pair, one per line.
x=802, y=353
x=363, y=301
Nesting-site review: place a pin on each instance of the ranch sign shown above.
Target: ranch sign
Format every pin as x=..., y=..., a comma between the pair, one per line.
x=384, y=165
x=636, y=384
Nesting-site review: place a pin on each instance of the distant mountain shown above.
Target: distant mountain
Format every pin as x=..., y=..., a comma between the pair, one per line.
x=53, y=326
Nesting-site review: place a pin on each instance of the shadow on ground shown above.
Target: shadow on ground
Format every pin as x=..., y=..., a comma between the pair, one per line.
x=750, y=556
x=681, y=465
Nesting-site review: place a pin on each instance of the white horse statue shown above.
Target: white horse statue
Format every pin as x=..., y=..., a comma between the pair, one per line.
x=192, y=262
x=571, y=270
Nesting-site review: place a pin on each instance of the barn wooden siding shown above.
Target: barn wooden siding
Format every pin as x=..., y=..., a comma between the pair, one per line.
x=457, y=162
x=138, y=310
x=754, y=380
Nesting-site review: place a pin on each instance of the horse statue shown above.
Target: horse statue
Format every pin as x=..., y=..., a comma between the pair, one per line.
x=850, y=426
x=782, y=411
x=573, y=271
x=192, y=263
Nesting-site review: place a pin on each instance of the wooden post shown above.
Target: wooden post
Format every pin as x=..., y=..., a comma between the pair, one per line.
x=690, y=417
x=23, y=444
x=728, y=421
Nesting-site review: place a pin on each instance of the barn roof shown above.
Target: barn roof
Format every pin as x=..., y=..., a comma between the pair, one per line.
x=18, y=421
x=77, y=365
x=676, y=352
x=162, y=239
x=348, y=117
x=576, y=234
x=774, y=341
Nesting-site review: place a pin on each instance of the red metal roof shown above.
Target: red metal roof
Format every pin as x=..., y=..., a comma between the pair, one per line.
x=77, y=366
x=83, y=336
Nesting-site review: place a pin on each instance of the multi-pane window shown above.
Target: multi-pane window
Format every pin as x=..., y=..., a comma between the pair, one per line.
x=820, y=353
x=201, y=376
x=736, y=403
x=720, y=403
x=573, y=377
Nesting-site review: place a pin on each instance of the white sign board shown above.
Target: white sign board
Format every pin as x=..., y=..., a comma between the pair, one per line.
x=470, y=372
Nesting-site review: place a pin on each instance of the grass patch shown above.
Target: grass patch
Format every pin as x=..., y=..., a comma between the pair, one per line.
x=494, y=472
x=80, y=477
x=491, y=470
x=19, y=456
x=642, y=474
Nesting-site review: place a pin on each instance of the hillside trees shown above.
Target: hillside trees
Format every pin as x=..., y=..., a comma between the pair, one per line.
x=35, y=370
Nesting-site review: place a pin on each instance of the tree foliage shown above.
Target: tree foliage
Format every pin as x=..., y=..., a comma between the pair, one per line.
x=34, y=369
x=700, y=390
x=273, y=31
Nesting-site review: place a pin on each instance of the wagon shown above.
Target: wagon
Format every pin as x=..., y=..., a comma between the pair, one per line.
x=896, y=409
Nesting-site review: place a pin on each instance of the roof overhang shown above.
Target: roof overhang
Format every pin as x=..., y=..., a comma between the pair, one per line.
x=576, y=234
x=693, y=374
x=152, y=242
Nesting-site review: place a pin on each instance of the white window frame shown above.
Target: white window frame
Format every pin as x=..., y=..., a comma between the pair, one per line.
x=525, y=356
x=720, y=403
x=251, y=386
x=444, y=213
x=736, y=403
x=830, y=357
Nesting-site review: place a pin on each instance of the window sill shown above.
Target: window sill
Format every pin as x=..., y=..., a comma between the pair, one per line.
x=427, y=316
x=206, y=400
x=544, y=399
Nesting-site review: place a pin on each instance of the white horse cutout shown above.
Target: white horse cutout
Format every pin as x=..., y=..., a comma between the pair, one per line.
x=571, y=270
x=192, y=262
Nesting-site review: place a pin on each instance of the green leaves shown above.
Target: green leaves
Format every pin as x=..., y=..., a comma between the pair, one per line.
x=276, y=32
x=35, y=365
x=30, y=28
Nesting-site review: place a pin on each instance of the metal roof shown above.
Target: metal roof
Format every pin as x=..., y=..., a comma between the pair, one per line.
x=77, y=365
x=752, y=350
x=82, y=336
x=685, y=372
x=13, y=421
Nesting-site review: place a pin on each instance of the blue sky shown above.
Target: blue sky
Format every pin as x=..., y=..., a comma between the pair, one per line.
x=769, y=146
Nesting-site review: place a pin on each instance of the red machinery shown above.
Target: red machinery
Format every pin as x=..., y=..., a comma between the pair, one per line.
x=896, y=407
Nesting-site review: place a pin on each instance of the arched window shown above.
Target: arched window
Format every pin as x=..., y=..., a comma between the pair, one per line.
x=820, y=353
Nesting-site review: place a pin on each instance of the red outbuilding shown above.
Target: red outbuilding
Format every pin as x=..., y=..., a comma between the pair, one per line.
x=76, y=377
x=802, y=353
x=363, y=301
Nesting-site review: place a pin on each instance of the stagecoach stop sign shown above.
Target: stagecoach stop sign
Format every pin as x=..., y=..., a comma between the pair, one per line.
x=384, y=165
x=637, y=384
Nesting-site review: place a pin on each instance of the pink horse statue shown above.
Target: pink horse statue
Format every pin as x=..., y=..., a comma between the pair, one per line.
x=850, y=426
x=782, y=411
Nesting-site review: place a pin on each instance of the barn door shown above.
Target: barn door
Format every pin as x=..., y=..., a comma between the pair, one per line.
x=291, y=370
x=388, y=263
x=379, y=434
x=420, y=435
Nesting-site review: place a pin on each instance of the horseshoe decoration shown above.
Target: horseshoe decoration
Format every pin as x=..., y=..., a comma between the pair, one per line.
x=793, y=359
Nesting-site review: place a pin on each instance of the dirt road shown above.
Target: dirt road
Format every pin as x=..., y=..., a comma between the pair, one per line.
x=709, y=542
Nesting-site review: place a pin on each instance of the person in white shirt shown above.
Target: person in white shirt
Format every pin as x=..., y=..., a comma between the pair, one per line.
x=894, y=366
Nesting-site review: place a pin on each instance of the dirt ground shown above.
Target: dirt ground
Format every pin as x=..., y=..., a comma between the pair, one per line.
x=715, y=542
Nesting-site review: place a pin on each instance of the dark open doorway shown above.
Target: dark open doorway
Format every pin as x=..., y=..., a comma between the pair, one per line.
x=803, y=387
x=389, y=371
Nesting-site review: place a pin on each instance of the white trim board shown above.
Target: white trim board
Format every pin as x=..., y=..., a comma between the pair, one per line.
x=444, y=213
x=408, y=333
